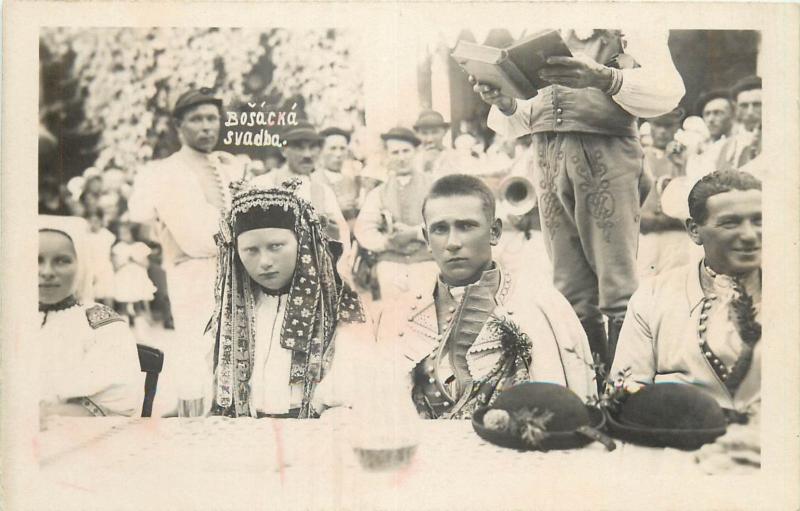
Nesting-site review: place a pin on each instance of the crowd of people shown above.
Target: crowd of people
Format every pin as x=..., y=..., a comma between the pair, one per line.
x=645, y=222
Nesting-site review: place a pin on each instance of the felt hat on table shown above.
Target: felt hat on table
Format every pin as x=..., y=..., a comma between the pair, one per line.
x=668, y=415
x=573, y=423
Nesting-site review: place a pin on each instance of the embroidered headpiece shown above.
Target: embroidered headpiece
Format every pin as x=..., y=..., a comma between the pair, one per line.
x=317, y=297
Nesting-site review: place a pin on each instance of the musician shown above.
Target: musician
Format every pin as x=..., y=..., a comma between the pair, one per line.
x=461, y=337
x=588, y=167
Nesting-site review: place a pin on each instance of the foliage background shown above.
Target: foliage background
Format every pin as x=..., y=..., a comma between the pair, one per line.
x=106, y=94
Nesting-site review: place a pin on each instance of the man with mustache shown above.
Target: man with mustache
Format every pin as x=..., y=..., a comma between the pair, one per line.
x=745, y=146
x=339, y=171
x=700, y=323
x=459, y=338
x=432, y=156
x=301, y=151
x=182, y=197
x=716, y=108
x=390, y=221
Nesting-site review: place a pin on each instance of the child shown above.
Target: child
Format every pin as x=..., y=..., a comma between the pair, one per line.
x=131, y=283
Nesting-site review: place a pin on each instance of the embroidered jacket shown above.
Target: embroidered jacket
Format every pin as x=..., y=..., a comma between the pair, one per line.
x=423, y=326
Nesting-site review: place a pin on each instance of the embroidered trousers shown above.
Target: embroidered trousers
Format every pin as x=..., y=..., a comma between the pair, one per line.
x=590, y=190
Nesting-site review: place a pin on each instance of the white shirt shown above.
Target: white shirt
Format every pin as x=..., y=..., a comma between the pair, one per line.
x=270, y=388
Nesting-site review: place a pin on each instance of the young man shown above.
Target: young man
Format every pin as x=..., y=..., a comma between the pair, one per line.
x=182, y=197
x=699, y=324
x=303, y=145
x=588, y=165
x=462, y=337
x=390, y=221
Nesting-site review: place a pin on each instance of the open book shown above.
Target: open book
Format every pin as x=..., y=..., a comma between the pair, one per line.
x=514, y=70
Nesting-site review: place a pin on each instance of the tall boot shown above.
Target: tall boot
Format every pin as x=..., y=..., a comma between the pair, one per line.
x=596, y=334
x=614, y=327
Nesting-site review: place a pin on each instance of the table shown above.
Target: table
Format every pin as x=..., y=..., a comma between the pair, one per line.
x=221, y=463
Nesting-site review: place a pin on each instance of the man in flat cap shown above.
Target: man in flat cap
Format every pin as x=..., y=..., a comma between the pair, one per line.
x=339, y=171
x=663, y=243
x=182, y=197
x=433, y=157
x=717, y=109
x=588, y=169
x=301, y=151
x=390, y=221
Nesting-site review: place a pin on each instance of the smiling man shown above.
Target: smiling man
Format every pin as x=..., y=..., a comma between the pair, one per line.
x=717, y=348
x=446, y=335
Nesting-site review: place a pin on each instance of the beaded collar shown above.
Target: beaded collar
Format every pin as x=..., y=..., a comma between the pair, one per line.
x=746, y=325
x=66, y=303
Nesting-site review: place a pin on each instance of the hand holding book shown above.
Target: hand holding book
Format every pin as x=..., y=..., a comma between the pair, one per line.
x=576, y=72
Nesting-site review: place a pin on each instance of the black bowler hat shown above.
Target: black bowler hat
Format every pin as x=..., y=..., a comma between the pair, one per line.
x=193, y=98
x=302, y=131
x=745, y=84
x=400, y=133
x=710, y=96
x=668, y=415
x=566, y=422
x=430, y=119
x=333, y=130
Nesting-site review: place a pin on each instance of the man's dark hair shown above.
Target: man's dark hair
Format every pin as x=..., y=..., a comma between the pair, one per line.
x=745, y=84
x=459, y=185
x=714, y=184
x=710, y=96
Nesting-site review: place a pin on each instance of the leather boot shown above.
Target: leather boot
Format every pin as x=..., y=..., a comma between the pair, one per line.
x=614, y=326
x=596, y=334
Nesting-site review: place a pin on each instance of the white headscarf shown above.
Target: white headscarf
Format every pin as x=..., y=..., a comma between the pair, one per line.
x=77, y=229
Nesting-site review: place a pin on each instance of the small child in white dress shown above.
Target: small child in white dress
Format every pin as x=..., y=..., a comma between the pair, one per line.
x=132, y=286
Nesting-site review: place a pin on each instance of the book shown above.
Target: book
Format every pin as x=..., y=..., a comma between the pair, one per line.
x=513, y=70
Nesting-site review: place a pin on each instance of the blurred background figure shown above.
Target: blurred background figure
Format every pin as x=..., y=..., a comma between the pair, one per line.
x=133, y=290
x=390, y=222
x=745, y=145
x=433, y=156
x=341, y=172
x=99, y=241
x=716, y=109
x=663, y=243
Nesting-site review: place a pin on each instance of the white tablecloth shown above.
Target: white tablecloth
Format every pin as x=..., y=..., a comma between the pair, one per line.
x=220, y=463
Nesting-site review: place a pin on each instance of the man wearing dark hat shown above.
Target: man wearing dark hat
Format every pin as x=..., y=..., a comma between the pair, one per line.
x=588, y=166
x=716, y=108
x=339, y=171
x=700, y=323
x=745, y=145
x=433, y=157
x=663, y=243
x=390, y=220
x=301, y=150
x=462, y=337
x=182, y=197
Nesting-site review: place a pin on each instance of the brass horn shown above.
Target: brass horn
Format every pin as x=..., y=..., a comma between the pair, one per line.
x=518, y=194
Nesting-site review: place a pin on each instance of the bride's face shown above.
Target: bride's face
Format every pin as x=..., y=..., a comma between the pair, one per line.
x=58, y=266
x=269, y=255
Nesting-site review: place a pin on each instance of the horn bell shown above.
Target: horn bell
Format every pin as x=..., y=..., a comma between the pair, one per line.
x=518, y=194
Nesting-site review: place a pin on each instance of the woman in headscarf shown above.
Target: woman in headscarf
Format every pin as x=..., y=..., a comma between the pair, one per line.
x=279, y=305
x=88, y=358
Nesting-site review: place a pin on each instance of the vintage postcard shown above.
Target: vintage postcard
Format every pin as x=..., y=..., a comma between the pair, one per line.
x=400, y=255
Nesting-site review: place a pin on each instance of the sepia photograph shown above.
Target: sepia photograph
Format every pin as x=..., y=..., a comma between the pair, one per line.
x=369, y=259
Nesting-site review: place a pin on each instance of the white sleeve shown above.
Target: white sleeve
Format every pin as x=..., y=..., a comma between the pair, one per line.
x=191, y=220
x=368, y=222
x=334, y=213
x=109, y=373
x=514, y=125
x=656, y=87
x=636, y=346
